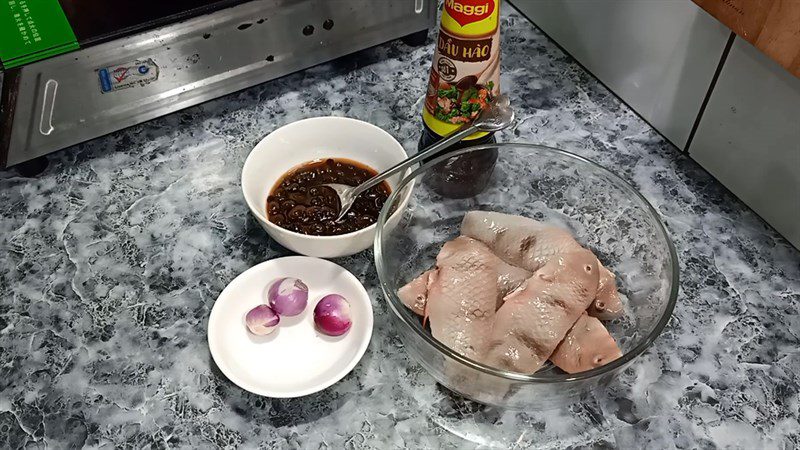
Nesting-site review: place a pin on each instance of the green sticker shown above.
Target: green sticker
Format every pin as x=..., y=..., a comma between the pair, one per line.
x=31, y=30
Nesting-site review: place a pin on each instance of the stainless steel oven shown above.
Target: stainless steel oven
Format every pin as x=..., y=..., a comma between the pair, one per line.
x=139, y=60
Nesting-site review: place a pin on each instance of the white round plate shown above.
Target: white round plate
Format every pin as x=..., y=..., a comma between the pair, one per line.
x=295, y=359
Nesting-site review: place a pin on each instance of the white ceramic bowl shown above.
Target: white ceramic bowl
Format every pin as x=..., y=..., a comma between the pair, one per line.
x=308, y=140
x=295, y=359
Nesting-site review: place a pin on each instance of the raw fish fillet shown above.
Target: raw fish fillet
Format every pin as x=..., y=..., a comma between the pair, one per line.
x=518, y=240
x=568, y=355
x=462, y=297
x=607, y=304
x=530, y=244
x=535, y=318
x=415, y=293
x=508, y=277
x=587, y=345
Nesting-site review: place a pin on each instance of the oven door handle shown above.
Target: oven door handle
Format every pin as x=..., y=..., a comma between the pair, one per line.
x=48, y=103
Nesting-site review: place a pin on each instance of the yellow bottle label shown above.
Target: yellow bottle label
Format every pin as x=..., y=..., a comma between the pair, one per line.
x=471, y=18
x=465, y=73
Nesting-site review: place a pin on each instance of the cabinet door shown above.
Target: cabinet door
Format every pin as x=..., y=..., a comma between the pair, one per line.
x=749, y=136
x=658, y=56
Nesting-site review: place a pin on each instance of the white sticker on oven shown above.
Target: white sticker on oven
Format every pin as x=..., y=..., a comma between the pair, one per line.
x=131, y=74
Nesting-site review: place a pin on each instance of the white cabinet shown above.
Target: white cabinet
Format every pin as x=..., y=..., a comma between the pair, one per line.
x=749, y=136
x=658, y=56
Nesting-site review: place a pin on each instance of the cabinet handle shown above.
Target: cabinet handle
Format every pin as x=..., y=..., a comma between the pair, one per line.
x=418, y=4
x=48, y=103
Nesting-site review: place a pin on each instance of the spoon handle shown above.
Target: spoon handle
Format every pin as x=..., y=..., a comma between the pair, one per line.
x=432, y=150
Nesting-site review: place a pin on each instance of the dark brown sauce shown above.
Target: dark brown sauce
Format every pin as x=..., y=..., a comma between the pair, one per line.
x=298, y=202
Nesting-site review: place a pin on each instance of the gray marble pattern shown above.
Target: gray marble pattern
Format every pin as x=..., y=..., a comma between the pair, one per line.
x=111, y=260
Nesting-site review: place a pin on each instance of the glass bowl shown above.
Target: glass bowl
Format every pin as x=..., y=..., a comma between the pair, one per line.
x=604, y=213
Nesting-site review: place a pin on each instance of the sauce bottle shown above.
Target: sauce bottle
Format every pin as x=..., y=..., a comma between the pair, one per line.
x=465, y=76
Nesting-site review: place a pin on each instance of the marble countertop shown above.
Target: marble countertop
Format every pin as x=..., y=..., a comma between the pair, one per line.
x=111, y=260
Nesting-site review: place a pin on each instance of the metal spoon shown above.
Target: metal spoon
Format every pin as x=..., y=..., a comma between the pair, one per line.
x=496, y=117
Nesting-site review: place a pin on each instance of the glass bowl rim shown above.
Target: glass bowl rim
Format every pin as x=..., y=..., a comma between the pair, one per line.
x=405, y=314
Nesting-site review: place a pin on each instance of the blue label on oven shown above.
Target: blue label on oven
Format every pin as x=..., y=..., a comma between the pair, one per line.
x=131, y=74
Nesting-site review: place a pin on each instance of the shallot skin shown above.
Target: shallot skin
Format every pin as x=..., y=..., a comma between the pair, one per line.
x=332, y=315
x=262, y=320
x=288, y=296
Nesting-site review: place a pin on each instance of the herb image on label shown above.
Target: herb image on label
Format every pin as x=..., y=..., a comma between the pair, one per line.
x=461, y=104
